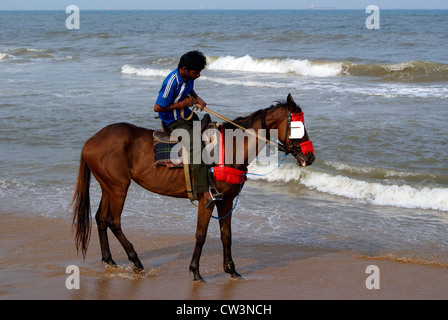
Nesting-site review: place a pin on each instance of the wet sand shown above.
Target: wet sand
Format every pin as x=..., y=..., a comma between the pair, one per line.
x=36, y=251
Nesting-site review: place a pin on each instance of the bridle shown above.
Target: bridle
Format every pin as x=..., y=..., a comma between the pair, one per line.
x=292, y=118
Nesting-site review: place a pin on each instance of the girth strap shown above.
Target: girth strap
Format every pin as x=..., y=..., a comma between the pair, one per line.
x=190, y=191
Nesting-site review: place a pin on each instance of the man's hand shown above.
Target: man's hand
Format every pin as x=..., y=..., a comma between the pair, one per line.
x=189, y=102
x=201, y=103
x=194, y=101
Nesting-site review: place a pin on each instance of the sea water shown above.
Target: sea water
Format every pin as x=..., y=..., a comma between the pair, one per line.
x=375, y=105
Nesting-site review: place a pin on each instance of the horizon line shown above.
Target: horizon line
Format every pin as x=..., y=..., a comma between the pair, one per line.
x=223, y=9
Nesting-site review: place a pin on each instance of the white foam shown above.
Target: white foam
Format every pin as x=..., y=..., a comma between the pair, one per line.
x=394, y=90
x=386, y=90
x=230, y=82
x=300, y=67
x=146, y=72
x=404, y=196
x=149, y=72
x=248, y=64
x=340, y=166
x=3, y=56
x=35, y=50
x=282, y=66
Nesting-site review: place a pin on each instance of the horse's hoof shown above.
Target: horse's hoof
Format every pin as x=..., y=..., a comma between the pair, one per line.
x=138, y=269
x=236, y=276
x=109, y=262
x=198, y=278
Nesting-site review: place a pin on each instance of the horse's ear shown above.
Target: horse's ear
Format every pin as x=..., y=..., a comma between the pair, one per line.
x=290, y=101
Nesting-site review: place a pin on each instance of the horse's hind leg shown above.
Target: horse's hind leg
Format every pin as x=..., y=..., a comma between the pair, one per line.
x=128, y=247
x=116, y=204
x=101, y=222
x=109, y=216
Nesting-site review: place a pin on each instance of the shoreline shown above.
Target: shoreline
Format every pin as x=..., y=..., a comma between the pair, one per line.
x=35, y=252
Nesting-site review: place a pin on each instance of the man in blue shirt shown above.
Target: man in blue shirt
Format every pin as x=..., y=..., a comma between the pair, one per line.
x=176, y=97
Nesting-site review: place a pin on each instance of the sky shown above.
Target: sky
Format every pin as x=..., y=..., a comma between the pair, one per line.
x=216, y=4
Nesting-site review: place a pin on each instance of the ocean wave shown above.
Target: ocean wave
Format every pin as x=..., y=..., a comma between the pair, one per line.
x=245, y=83
x=375, y=193
x=149, y=72
x=393, y=90
x=375, y=172
x=248, y=64
x=387, y=90
x=35, y=53
x=413, y=71
x=409, y=71
x=22, y=54
x=300, y=67
x=146, y=72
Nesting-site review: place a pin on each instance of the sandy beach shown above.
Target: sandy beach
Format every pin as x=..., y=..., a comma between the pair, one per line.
x=35, y=253
x=374, y=107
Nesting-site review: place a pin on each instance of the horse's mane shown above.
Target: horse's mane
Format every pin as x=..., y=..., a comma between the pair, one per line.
x=249, y=120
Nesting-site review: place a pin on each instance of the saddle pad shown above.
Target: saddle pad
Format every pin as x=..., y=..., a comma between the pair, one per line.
x=162, y=155
x=161, y=136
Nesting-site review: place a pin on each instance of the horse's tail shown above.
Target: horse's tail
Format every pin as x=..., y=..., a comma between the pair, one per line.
x=81, y=208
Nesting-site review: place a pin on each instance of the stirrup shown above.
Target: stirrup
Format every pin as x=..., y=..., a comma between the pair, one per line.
x=215, y=194
x=215, y=197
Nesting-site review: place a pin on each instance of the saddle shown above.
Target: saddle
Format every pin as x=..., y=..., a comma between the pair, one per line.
x=165, y=146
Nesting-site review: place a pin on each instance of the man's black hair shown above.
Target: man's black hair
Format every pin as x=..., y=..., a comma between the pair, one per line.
x=193, y=60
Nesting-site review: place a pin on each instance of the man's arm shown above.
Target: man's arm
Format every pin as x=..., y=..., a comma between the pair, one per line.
x=187, y=102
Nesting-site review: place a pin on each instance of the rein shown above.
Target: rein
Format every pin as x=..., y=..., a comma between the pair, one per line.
x=251, y=132
x=282, y=146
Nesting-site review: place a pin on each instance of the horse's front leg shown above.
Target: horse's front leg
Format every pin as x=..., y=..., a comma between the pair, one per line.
x=226, y=237
x=201, y=233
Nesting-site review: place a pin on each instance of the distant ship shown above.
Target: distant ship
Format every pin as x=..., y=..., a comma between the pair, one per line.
x=314, y=7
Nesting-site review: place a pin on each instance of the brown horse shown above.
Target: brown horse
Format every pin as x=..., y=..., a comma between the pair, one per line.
x=122, y=152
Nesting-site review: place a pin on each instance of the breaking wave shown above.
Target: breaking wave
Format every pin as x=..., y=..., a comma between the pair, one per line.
x=146, y=72
x=300, y=67
x=358, y=188
x=409, y=71
x=388, y=90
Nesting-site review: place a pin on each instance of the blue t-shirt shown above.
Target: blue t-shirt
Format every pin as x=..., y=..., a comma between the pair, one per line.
x=174, y=89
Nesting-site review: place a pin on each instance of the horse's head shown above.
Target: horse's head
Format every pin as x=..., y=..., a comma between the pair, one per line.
x=286, y=118
x=294, y=136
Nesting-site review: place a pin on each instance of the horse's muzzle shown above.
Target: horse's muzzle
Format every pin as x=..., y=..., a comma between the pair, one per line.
x=305, y=160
